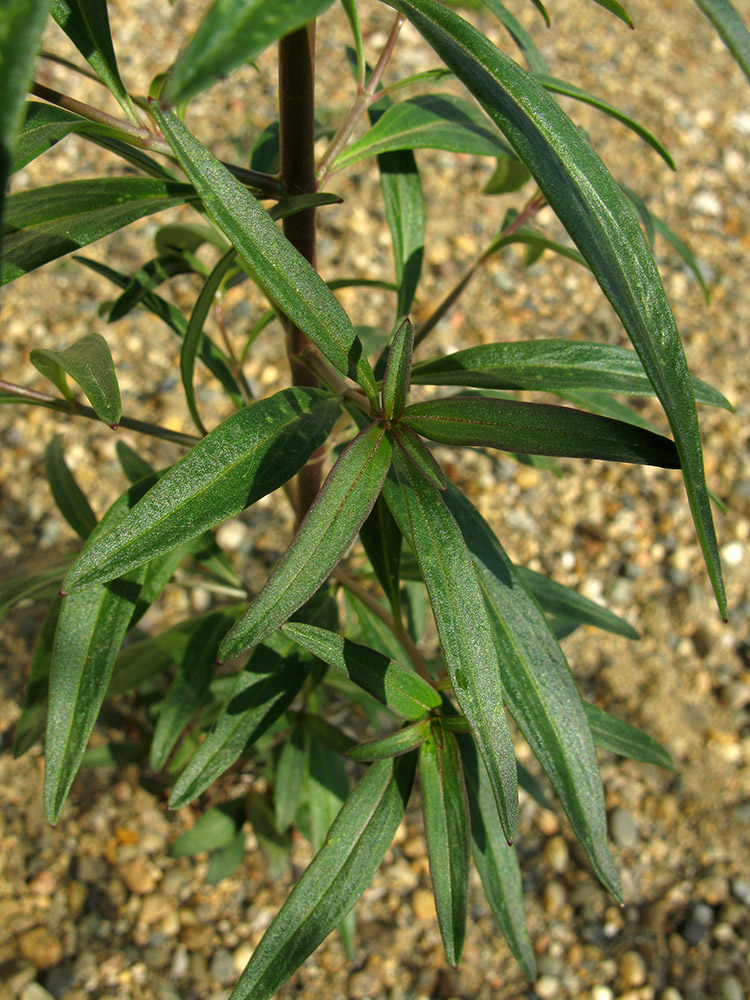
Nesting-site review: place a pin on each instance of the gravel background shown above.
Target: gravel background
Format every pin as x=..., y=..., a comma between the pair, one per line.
x=95, y=907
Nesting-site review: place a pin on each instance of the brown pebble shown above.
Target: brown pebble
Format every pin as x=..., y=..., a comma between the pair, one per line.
x=77, y=892
x=556, y=854
x=41, y=948
x=154, y=908
x=140, y=876
x=632, y=969
x=43, y=884
x=423, y=904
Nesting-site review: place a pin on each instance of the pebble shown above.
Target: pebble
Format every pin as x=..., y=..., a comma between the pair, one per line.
x=707, y=203
x=697, y=925
x=33, y=991
x=556, y=854
x=41, y=948
x=242, y=955
x=547, y=987
x=423, y=904
x=140, y=875
x=221, y=966
x=602, y=993
x=632, y=969
x=622, y=828
x=730, y=988
x=555, y=897
x=741, y=890
x=180, y=963
x=670, y=993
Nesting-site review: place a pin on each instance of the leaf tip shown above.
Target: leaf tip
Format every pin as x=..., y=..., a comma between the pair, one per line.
x=62, y=592
x=114, y=426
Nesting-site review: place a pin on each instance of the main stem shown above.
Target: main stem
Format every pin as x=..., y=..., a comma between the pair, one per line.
x=297, y=137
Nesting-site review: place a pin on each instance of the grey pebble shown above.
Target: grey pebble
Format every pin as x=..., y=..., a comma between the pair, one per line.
x=730, y=988
x=92, y=869
x=60, y=980
x=622, y=828
x=741, y=890
x=221, y=967
x=180, y=964
x=698, y=923
x=33, y=991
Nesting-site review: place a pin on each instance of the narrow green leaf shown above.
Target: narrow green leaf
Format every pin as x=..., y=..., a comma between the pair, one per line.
x=403, y=691
x=275, y=844
x=448, y=835
x=86, y=23
x=352, y=16
x=324, y=732
x=45, y=223
x=181, y=237
x=395, y=387
x=549, y=366
x=556, y=599
x=46, y=125
x=536, y=243
x=327, y=790
x=683, y=252
x=412, y=447
x=617, y=9
x=33, y=718
x=537, y=429
x=510, y=174
x=227, y=859
x=130, y=154
x=132, y=463
x=215, y=828
x=189, y=687
x=328, y=529
x=540, y=690
x=430, y=121
x=607, y=406
x=248, y=455
x=382, y=543
x=622, y=738
x=542, y=10
x=278, y=267
x=68, y=495
x=290, y=772
x=232, y=33
x=465, y=632
x=88, y=362
x=534, y=58
x=496, y=862
x=393, y=745
x=373, y=631
x=334, y=880
x=593, y=210
x=731, y=29
x=30, y=587
x=147, y=279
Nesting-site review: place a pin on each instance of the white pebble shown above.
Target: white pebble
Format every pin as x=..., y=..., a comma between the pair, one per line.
x=602, y=993
x=707, y=203
x=733, y=553
x=231, y=535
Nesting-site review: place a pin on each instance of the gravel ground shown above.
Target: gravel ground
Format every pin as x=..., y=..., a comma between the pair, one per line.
x=95, y=907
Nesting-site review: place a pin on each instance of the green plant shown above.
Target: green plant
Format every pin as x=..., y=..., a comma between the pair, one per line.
x=348, y=406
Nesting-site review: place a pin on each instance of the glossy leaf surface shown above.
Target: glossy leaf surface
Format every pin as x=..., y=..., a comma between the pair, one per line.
x=326, y=532
x=250, y=454
x=393, y=745
x=89, y=363
x=417, y=454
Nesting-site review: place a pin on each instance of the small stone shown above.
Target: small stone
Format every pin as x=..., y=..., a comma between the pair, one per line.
x=242, y=955
x=670, y=993
x=547, y=987
x=155, y=908
x=221, y=966
x=423, y=904
x=33, y=991
x=622, y=828
x=140, y=875
x=698, y=923
x=43, y=884
x=556, y=854
x=180, y=964
x=733, y=553
x=730, y=988
x=707, y=203
x=602, y=993
x=741, y=890
x=92, y=869
x=59, y=980
x=41, y=948
x=632, y=969
x=555, y=898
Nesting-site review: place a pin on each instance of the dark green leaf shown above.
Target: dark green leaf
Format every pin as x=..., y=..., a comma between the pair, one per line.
x=448, y=835
x=45, y=125
x=404, y=209
x=326, y=532
x=68, y=495
x=30, y=726
x=431, y=121
x=290, y=772
x=415, y=451
x=248, y=455
x=30, y=587
x=731, y=29
x=215, y=828
x=622, y=738
x=615, y=8
x=683, y=251
x=534, y=58
x=393, y=745
x=133, y=465
x=537, y=429
x=327, y=790
x=45, y=223
x=395, y=387
x=181, y=237
x=275, y=844
x=226, y=860
x=147, y=279
x=593, y=210
x=279, y=268
x=510, y=175
x=232, y=33
x=465, y=632
x=403, y=691
x=600, y=402
x=326, y=733
x=536, y=243
x=334, y=880
x=89, y=363
x=382, y=542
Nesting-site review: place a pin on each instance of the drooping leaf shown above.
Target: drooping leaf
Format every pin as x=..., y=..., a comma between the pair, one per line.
x=534, y=58
x=334, y=880
x=49, y=222
x=279, y=268
x=88, y=362
x=731, y=29
x=397, y=371
x=536, y=243
x=68, y=495
x=393, y=745
x=549, y=366
x=448, y=835
x=382, y=543
x=431, y=121
x=617, y=9
x=683, y=251
x=622, y=738
x=537, y=429
x=593, y=210
x=327, y=789
x=215, y=828
x=45, y=125
x=465, y=631
x=232, y=33
x=326, y=532
x=404, y=209
x=86, y=23
x=248, y=455
x=402, y=690
x=33, y=718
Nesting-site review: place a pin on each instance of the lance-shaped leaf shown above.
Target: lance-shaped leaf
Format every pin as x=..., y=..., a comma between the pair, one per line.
x=465, y=632
x=89, y=633
x=555, y=86
x=537, y=429
x=400, y=742
x=620, y=737
x=215, y=828
x=89, y=363
x=86, y=23
x=415, y=451
x=30, y=726
x=45, y=223
x=281, y=270
x=274, y=844
x=566, y=603
x=404, y=209
x=20, y=37
x=397, y=371
x=30, y=587
x=327, y=789
x=382, y=542
x=534, y=58
x=189, y=687
x=550, y=366
x=45, y=125
x=133, y=464
x=289, y=776
x=68, y=495
x=232, y=33
x=496, y=862
x=617, y=9
x=448, y=836
x=540, y=690
x=326, y=532
x=148, y=278
x=432, y=121
x=403, y=691
x=250, y=454
x=335, y=878
x=731, y=29
x=595, y=213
